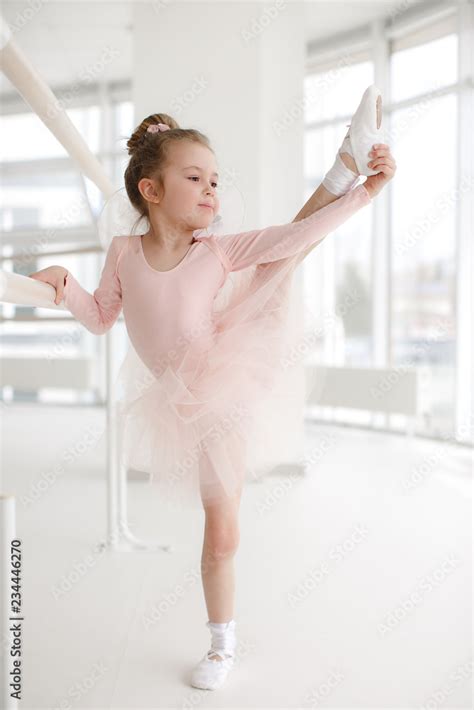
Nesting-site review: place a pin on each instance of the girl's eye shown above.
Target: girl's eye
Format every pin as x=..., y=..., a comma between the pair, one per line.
x=197, y=178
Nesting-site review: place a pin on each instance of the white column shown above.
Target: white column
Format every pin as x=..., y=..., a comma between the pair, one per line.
x=381, y=227
x=235, y=72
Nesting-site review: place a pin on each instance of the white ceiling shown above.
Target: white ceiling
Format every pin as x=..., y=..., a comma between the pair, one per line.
x=64, y=38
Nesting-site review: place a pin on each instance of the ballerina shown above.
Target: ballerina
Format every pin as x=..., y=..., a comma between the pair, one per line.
x=200, y=365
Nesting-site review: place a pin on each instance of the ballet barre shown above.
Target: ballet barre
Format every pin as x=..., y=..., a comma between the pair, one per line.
x=23, y=290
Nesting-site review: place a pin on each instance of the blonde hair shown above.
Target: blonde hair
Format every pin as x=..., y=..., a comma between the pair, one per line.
x=149, y=155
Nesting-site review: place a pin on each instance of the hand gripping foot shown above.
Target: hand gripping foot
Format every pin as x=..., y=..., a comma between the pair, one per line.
x=364, y=130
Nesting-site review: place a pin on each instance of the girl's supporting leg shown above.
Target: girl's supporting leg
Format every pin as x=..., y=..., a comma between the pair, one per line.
x=221, y=539
x=319, y=199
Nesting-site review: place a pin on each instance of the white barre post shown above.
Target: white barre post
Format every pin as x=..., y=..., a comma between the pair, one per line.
x=32, y=87
x=24, y=290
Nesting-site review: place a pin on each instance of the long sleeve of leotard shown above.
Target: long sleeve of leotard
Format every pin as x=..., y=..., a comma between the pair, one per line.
x=98, y=311
x=285, y=240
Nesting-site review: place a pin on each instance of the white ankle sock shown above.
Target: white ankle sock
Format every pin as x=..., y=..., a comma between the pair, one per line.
x=211, y=673
x=340, y=179
x=218, y=625
x=223, y=636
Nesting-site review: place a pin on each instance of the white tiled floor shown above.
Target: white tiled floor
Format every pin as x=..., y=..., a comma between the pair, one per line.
x=353, y=591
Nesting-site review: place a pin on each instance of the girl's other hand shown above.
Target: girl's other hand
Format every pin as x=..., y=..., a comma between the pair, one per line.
x=53, y=275
x=384, y=161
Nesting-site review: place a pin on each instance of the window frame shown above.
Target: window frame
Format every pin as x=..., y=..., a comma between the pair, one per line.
x=377, y=41
x=81, y=238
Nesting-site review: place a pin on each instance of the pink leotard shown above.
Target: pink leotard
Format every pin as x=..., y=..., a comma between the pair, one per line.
x=166, y=310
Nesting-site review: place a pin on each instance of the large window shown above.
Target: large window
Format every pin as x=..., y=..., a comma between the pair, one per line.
x=423, y=235
x=420, y=219
x=337, y=273
x=439, y=55
x=47, y=207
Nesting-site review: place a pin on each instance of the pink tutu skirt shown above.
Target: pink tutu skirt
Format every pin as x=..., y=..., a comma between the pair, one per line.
x=198, y=427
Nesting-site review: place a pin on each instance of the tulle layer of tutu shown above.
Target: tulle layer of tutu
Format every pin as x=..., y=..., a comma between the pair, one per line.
x=194, y=427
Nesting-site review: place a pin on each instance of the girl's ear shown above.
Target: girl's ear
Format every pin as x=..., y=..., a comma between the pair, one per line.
x=148, y=190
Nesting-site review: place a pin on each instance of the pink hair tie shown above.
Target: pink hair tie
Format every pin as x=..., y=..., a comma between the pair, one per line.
x=157, y=127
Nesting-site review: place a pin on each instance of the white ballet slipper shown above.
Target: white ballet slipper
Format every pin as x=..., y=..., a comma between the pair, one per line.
x=211, y=674
x=364, y=130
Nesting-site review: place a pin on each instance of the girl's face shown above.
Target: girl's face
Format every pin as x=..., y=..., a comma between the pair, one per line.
x=190, y=182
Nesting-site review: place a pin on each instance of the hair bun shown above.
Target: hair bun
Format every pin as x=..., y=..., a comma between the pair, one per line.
x=138, y=136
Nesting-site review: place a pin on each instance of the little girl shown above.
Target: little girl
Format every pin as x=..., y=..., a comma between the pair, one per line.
x=197, y=368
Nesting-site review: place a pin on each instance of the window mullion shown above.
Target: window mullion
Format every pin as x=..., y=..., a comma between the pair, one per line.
x=464, y=388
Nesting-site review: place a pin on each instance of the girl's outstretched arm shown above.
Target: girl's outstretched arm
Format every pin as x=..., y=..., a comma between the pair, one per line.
x=321, y=214
x=261, y=246
x=98, y=311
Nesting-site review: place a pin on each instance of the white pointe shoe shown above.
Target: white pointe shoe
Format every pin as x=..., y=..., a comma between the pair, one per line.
x=365, y=129
x=211, y=674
